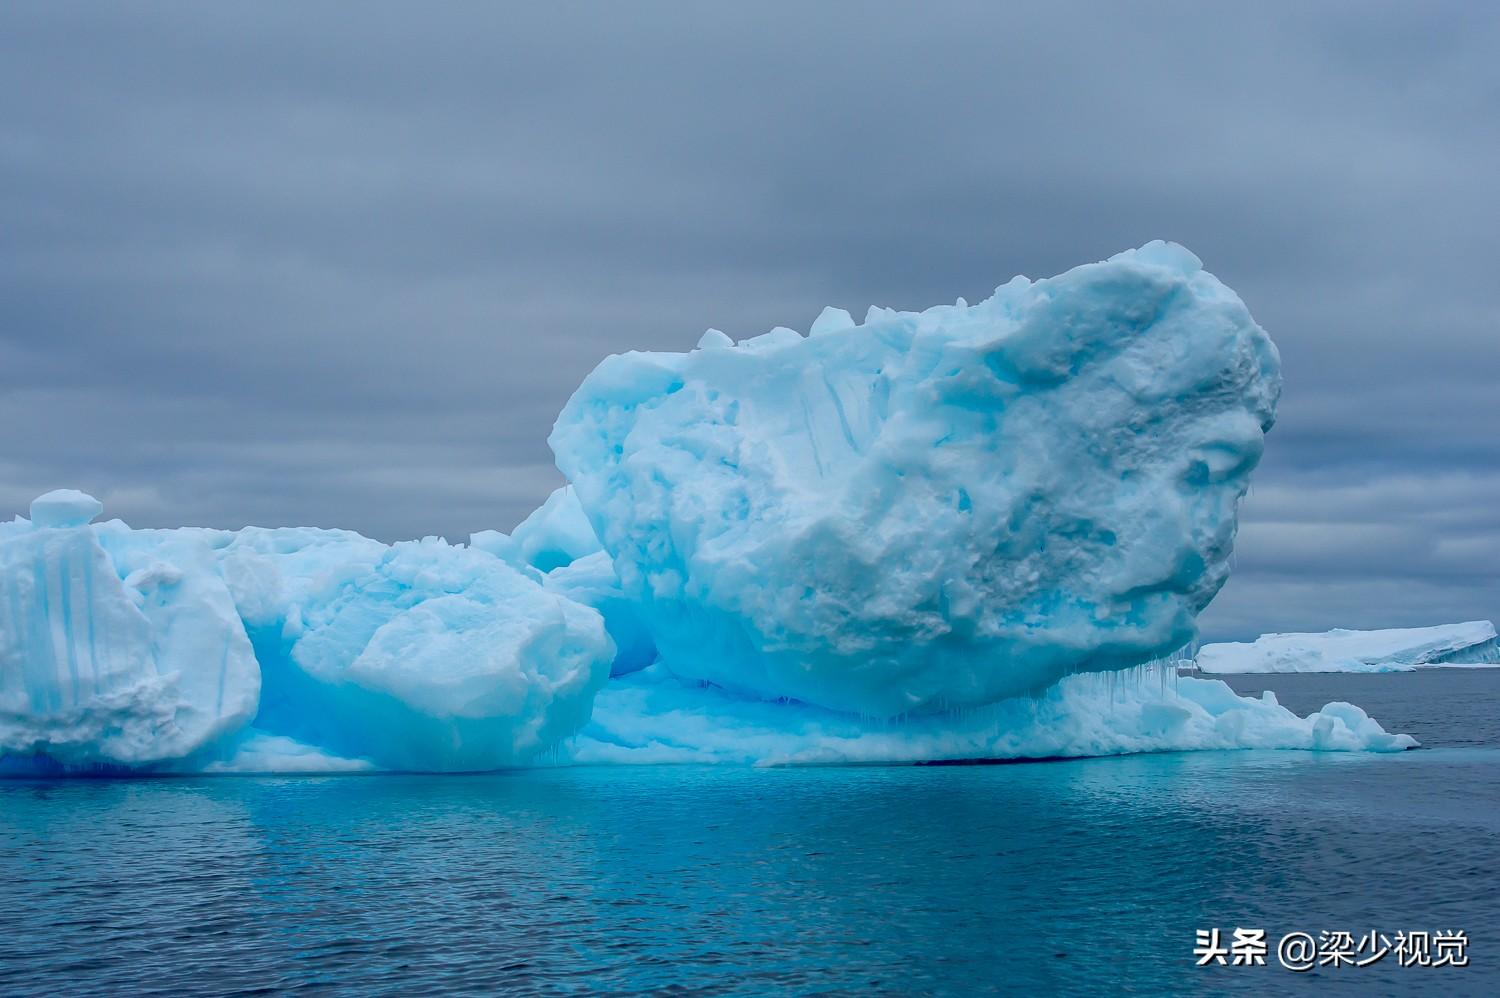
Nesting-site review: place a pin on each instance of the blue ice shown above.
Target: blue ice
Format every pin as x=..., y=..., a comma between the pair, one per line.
x=921, y=536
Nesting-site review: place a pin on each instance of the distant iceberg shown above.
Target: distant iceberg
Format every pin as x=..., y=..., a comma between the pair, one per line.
x=1391, y=650
x=931, y=536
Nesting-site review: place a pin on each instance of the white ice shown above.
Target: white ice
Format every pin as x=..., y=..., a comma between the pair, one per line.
x=1390, y=650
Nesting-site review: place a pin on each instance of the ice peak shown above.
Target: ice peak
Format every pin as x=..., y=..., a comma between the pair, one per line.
x=65, y=508
x=831, y=320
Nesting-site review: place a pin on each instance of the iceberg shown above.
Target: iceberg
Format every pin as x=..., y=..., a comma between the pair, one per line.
x=971, y=533
x=117, y=648
x=933, y=510
x=1339, y=650
x=292, y=649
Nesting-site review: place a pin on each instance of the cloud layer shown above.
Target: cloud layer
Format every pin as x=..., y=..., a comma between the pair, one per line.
x=293, y=265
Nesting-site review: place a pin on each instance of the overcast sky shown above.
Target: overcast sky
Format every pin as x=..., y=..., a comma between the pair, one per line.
x=341, y=264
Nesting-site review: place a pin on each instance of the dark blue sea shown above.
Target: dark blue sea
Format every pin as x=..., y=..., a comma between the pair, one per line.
x=1088, y=876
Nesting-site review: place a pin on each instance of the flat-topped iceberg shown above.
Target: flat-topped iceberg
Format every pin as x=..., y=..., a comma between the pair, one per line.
x=938, y=509
x=1399, y=649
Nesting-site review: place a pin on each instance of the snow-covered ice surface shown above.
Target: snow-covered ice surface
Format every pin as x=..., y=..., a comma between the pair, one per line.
x=897, y=541
x=936, y=509
x=1391, y=650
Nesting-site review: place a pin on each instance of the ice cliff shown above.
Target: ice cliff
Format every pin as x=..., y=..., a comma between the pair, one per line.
x=890, y=541
x=1389, y=650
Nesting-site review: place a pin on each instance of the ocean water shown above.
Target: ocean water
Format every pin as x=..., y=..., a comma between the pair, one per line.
x=1060, y=877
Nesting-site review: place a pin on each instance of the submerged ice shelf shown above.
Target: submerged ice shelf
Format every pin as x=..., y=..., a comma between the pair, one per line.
x=929, y=536
x=652, y=717
x=1390, y=650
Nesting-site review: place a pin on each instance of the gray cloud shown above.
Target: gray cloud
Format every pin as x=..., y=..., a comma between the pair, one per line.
x=294, y=264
